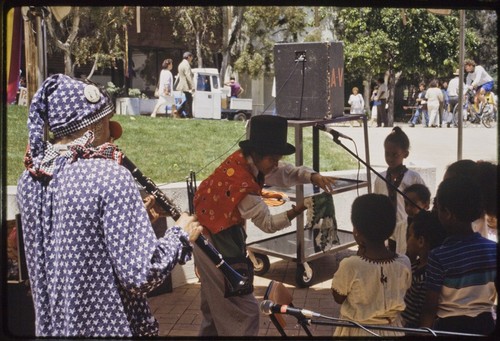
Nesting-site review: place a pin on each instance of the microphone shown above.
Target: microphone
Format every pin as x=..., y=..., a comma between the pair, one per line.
x=269, y=307
x=334, y=133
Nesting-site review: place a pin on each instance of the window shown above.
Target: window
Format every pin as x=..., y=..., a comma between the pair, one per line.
x=203, y=83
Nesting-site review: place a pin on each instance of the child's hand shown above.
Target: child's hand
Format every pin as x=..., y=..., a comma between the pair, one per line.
x=324, y=182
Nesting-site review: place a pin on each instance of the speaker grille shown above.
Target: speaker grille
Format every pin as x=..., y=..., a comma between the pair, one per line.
x=313, y=89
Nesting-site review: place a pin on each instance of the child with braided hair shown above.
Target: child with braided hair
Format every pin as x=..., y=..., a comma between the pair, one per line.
x=397, y=148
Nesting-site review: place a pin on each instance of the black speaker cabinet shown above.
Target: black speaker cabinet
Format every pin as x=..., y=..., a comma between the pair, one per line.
x=309, y=80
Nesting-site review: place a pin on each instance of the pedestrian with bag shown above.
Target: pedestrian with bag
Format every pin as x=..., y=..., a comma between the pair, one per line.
x=165, y=86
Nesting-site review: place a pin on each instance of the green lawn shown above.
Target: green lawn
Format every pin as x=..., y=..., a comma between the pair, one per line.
x=166, y=149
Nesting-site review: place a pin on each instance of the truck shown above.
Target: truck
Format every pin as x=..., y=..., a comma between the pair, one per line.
x=211, y=99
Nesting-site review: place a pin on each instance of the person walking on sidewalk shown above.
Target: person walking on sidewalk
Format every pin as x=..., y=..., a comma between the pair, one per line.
x=434, y=97
x=165, y=85
x=421, y=107
x=185, y=83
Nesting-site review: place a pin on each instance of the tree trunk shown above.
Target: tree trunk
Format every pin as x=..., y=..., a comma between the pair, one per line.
x=68, y=63
x=66, y=47
x=94, y=67
x=231, y=28
x=391, y=81
x=367, y=92
x=198, y=51
x=227, y=13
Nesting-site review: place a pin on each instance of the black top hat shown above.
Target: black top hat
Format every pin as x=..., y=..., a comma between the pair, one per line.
x=268, y=136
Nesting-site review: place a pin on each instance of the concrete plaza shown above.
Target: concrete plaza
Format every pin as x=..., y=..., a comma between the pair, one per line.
x=178, y=312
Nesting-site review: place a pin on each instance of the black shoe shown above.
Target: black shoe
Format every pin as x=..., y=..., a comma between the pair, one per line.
x=411, y=124
x=448, y=125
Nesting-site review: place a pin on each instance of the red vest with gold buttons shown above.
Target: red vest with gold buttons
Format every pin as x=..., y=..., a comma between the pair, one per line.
x=217, y=198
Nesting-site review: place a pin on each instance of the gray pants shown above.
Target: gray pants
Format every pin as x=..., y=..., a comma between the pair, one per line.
x=233, y=316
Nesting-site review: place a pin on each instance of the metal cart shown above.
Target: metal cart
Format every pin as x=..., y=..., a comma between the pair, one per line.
x=298, y=246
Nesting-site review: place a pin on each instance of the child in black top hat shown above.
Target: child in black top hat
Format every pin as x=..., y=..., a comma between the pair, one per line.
x=225, y=200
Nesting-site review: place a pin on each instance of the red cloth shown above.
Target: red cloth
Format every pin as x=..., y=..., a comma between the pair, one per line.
x=14, y=47
x=216, y=200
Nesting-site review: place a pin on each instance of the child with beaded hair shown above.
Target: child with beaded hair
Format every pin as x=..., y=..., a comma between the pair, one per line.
x=421, y=196
x=371, y=285
x=397, y=148
x=425, y=233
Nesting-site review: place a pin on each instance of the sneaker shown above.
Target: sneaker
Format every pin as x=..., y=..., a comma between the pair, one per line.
x=411, y=125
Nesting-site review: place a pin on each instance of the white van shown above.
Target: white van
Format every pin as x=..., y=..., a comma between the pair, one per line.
x=210, y=99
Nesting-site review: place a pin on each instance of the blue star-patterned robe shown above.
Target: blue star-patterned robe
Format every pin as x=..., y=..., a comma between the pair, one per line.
x=91, y=252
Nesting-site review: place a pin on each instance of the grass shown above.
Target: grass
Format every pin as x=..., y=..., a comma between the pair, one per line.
x=166, y=149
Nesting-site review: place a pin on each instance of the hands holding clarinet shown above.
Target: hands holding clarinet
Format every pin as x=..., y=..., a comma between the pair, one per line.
x=187, y=222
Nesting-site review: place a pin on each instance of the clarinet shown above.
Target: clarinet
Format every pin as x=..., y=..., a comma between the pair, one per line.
x=235, y=279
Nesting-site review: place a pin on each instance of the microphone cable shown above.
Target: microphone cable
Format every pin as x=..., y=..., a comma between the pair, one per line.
x=282, y=86
x=352, y=323
x=239, y=139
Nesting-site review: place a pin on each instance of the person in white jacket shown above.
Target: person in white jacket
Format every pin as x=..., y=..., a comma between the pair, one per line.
x=434, y=97
x=356, y=102
x=165, y=85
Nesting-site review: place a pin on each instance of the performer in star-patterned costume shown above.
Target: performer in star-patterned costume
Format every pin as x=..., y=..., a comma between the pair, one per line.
x=91, y=252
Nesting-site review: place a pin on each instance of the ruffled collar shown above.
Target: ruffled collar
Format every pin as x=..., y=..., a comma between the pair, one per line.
x=81, y=148
x=380, y=261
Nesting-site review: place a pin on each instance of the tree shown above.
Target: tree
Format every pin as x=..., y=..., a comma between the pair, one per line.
x=231, y=30
x=90, y=34
x=103, y=38
x=197, y=27
x=64, y=35
x=262, y=28
x=482, y=26
x=410, y=42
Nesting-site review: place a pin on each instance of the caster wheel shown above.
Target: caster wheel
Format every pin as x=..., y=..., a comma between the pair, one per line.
x=304, y=275
x=262, y=264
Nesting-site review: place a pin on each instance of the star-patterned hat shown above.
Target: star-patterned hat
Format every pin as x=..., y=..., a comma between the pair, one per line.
x=66, y=105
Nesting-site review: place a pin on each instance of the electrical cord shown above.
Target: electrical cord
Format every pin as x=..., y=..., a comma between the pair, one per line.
x=239, y=139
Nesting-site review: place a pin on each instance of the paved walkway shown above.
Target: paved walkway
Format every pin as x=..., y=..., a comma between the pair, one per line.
x=178, y=312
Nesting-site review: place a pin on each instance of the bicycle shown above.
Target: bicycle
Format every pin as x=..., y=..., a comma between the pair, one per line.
x=487, y=114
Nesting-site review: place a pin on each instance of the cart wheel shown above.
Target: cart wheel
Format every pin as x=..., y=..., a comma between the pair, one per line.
x=262, y=264
x=304, y=275
x=240, y=117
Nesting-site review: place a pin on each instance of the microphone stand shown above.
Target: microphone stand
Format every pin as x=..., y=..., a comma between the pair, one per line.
x=337, y=141
x=304, y=322
x=350, y=324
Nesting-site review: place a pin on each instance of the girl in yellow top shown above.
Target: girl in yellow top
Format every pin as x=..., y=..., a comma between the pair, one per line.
x=371, y=285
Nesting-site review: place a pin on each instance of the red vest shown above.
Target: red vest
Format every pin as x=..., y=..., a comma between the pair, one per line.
x=217, y=198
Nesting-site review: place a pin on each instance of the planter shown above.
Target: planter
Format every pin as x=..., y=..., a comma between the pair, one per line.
x=136, y=106
x=127, y=106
